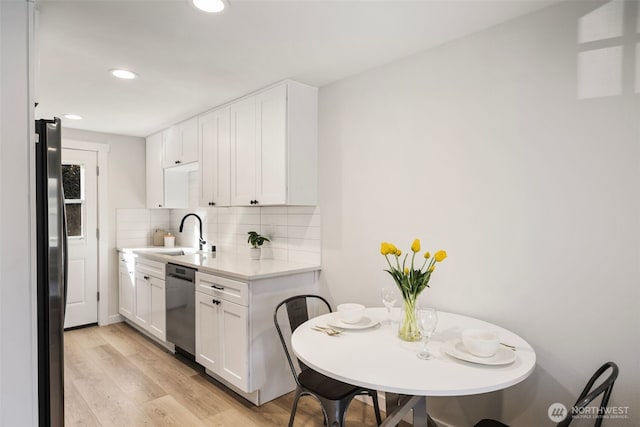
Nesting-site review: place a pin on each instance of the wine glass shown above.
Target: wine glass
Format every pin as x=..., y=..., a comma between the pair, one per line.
x=427, y=320
x=389, y=298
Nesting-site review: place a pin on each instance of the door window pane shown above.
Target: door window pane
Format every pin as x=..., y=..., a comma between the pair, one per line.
x=72, y=182
x=74, y=219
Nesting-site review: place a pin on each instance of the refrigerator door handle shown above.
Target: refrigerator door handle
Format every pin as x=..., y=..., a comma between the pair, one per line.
x=65, y=257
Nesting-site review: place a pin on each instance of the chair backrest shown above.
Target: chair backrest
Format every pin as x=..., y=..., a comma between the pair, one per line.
x=589, y=395
x=297, y=313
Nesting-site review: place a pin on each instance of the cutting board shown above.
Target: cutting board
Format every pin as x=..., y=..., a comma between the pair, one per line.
x=158, y=237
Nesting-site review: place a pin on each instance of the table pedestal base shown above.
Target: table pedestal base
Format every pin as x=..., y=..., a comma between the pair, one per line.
x=398, y=405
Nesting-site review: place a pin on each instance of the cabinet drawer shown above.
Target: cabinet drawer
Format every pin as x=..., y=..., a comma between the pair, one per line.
x=223, y=288
x=150, y=268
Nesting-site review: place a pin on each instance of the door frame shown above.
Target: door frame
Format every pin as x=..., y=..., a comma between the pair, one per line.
x=102, y=152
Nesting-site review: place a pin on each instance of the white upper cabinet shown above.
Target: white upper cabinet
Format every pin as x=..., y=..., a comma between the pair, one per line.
x=243, y=151
x=260, y=150
x=274, y=147
x=171, y=147
x=181, y=143
x=215, y=158
x=155, y=172
x=271, y=146
x=189, y=137
x=166, y=188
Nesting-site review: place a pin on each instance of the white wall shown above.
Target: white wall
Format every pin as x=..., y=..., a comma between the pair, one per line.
x=18, y=356
x=127, y=189
x=482, y=147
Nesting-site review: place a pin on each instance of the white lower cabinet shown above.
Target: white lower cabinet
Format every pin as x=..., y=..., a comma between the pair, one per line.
x=207, y=332
x=222, y=343
x=236, y=339
x=157, y=318
x=147, y=298
x=126, y=287
x=142, y=301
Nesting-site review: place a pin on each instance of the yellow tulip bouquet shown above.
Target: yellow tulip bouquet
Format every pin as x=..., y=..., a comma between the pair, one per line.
x=411, y=281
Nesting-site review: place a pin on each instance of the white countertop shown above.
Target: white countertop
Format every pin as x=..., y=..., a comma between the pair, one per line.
x=230, y=265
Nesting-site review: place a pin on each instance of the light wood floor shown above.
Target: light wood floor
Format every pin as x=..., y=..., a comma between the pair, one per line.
x=114, y=376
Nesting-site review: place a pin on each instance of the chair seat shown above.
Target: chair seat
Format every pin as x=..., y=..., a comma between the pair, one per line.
x=489, y=423
x=324, y=386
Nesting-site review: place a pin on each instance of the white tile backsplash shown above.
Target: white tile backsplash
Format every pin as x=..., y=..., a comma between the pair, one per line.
x=294, y=230
x=303, y=232
x=135, y=227
x=273, y=210
x=227, y=228
x=304, y=220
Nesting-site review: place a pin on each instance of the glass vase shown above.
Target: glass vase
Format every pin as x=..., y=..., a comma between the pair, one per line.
x=408, y=330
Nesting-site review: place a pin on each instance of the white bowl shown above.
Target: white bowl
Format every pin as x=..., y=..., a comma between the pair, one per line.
x=481, y=342
x=350, y=312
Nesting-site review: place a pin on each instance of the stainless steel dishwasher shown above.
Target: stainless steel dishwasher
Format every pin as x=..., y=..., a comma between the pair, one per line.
x=181, y=308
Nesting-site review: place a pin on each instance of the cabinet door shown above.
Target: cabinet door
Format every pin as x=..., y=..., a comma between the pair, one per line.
x=126, y=291
x=155, y=172
x=215, y=158
x=176, y=188
x=157, y=315
x=271, y=148
x=243, y=152
x=189, y=140
x=142, y=300
x=234, y=344
x=207, y=332
x=171, y=146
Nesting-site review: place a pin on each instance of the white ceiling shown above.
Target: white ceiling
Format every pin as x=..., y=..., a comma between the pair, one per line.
x=189, y=61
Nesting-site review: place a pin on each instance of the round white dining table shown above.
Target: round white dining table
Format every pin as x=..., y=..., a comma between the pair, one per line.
x=376, y=358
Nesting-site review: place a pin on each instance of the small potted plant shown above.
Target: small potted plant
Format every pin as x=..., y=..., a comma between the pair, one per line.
x=256, y=240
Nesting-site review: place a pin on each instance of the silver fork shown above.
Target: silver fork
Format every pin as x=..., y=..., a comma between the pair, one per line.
x=337, y=330
x=328, y=331
x=511, y=347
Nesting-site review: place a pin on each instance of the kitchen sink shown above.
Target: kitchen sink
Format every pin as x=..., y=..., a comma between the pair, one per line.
x=174, y=253
x=168, y=252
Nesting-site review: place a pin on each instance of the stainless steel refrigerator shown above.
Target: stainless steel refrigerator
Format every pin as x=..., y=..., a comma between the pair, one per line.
x=52, y=271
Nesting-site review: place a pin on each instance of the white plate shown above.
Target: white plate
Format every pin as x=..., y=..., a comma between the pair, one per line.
x=456, y=348
x=364, y=323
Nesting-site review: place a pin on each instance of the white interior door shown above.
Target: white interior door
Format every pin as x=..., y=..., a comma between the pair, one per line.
x=80, y=180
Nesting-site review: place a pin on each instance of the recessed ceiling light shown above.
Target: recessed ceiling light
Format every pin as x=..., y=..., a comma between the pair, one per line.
x=210, y=6
x=123, y=74
x=73, y=116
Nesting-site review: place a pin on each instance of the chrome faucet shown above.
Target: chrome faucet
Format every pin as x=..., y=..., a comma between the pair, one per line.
x=202, y=242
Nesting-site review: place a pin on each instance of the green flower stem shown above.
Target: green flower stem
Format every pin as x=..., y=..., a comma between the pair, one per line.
x=409, y=330
x=413, y=257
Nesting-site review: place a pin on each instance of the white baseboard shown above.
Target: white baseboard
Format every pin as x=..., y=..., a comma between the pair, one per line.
x=114, y=318
x=253, y=397
x=169, y=346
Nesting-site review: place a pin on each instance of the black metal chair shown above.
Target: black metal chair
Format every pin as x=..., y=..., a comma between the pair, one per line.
x=585, y=398
x=334, y=396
